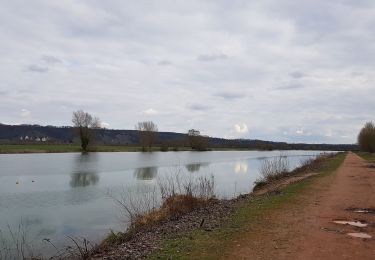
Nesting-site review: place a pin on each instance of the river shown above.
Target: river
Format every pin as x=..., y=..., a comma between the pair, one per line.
x=53, y=196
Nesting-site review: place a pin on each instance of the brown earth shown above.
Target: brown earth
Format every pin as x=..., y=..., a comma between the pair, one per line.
x=305, y=228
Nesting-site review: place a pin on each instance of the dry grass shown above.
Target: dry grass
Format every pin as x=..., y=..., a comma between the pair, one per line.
x=275, y=168
x=175, y=195
x=172, y=208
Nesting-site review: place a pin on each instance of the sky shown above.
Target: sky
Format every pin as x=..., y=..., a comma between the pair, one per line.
x=294, y=71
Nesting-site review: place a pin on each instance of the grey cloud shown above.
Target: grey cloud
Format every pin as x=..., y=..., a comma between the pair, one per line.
x=164, y=63
x=297, y=74
x=4, y=92
x=37, y=68
x=199, y=107
x=114, y=52
x=290, y=86
x=230, y=95
x=51, y=59
x=212, y=57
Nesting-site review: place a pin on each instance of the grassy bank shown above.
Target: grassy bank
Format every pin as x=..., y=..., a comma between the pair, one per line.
x=201, y=244
x=367, y=156
x=66, y=148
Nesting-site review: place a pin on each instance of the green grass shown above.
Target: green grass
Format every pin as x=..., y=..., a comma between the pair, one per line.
x=201, y=244
x=367, y=156
x=36, y=148
x=64, y=148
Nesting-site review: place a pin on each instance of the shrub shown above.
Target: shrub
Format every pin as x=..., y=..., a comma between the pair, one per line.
x=275, y=168
x=174, y=195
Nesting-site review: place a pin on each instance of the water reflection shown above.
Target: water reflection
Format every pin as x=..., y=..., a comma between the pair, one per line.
x=146, y=173
x=83, y=179
x=195, y=167
x=84, y=173
x=241, y=167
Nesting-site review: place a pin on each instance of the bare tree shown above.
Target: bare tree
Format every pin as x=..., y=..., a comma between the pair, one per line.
x=147, y=133
x=85, y=124
x=366, y=138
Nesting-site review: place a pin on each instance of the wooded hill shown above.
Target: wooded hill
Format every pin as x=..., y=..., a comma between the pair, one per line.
x=20, y=134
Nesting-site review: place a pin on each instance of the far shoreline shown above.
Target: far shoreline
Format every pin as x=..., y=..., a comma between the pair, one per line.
x=73, y=148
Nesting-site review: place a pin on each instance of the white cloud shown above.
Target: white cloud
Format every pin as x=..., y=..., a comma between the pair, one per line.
x=104, y=125
x=241, y=128
x=25, y=113
x=150, y=112
x=241, y=167
x=300, y=132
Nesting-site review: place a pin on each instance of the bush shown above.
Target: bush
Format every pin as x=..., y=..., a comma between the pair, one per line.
x=174, y=195
x=275, y=168
x=366, y=138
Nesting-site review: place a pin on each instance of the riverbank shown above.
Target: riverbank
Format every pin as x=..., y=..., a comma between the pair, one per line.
x=67, y=148
x=331, y=218
x=206, y=232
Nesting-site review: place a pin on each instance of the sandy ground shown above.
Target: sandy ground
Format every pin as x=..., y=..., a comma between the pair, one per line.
x=305, y=228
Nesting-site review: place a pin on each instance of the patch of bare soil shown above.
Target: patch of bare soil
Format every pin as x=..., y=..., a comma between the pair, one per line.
x=306, y=228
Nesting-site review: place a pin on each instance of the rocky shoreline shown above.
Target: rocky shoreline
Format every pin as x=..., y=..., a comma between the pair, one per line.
x=148, y=239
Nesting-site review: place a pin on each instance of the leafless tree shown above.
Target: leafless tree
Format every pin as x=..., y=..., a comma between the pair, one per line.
x=85, y=124
x=147, y=133
x=366, y=138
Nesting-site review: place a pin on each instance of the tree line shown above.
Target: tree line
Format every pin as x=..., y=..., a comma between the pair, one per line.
x=85, y=126
x=366, y=138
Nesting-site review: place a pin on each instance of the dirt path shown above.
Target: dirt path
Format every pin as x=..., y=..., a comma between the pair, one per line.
x=305, y=228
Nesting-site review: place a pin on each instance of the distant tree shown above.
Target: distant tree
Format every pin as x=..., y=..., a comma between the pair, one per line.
x=366, y=138
x=147, y=131
x=85, y=125
x=197, y=141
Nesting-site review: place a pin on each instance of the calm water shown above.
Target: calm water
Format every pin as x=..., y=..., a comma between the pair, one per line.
x=56, y=195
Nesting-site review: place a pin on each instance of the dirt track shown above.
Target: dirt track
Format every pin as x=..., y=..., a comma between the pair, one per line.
x=305, y=229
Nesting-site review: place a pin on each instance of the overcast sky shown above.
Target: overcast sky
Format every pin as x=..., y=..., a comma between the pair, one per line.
x=271, y=69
